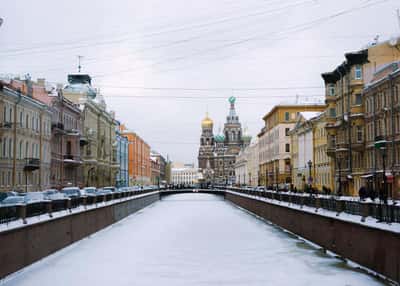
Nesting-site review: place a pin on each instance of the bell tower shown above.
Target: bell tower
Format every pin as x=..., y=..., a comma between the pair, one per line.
x=206, y=143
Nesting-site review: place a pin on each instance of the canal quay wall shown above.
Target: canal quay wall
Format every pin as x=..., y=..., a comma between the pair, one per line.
x=371, y=247
x=25, y=244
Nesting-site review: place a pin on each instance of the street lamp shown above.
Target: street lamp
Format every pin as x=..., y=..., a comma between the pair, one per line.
x=339, y=163
x=380, y=144
x=309, y=163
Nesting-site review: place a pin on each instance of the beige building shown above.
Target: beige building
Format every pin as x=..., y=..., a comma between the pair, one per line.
x=274, y=143
x=25, y=132
x=311, y=164
x=382, y=122
x=346, y=111
x=98, y=139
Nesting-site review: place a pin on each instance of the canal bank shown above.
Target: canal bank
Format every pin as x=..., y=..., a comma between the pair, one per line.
x=190, y=239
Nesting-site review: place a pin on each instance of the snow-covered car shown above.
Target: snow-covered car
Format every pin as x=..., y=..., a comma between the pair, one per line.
x=72, y=192
x=53, y=194
x=13, y=201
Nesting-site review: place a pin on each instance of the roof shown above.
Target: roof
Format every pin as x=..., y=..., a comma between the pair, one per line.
x=310, y=114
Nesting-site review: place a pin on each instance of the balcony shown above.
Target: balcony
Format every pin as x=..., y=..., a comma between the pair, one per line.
x=58, y=128
x=31, y=164
x=83, y=140
x=6, y=125
x=357, y=145
x=71, y=160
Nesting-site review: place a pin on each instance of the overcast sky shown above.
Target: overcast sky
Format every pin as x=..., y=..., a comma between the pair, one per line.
x=173, y=60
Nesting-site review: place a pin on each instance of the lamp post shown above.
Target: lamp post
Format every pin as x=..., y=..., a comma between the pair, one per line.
x=380, y=144
x=339, y=163
x=310, y=179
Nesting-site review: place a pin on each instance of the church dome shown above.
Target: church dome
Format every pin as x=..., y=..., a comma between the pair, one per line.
x=207, y=122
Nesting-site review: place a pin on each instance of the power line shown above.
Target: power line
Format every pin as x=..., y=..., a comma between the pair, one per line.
x=295, y=28
x=214, y=89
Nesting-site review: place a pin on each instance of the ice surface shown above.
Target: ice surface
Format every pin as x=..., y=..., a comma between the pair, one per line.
x=190, y=239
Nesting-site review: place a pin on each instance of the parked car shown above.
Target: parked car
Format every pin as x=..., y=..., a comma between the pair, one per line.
x=4, y=195
x=89, y=191
x=104, y=191
x=72, y=192
x=53, y=194
x=13, y=201
x=260, y=189
x=34, y=197
x=112, y=189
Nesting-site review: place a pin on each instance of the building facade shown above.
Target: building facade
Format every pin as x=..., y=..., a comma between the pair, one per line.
x=139, y=165
x=25, y=133
x=346, y=112
x=382, y=123
x=155, y=170
x=185, y=176
x=311, y=165
x=98, y=139
x=122, y=178
x=275, y=145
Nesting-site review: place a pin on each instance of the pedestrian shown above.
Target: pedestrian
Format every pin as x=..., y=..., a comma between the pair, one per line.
x=362, y=193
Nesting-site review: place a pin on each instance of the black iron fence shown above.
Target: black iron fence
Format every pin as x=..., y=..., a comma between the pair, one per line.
x=382, y=212
x=22, y=211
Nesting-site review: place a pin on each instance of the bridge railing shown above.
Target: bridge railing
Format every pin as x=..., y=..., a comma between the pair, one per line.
x=11, y=213
x=389, y=212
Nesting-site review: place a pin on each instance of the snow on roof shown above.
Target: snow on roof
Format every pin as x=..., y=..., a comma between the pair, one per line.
x=307, y=115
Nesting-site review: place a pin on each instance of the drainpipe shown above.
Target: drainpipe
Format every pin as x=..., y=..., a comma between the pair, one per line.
x=14, y=174
x=393, y=127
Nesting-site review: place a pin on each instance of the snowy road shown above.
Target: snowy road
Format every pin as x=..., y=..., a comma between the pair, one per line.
x=190, y=239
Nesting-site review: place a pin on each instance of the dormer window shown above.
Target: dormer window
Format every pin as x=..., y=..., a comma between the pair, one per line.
x=358, y=73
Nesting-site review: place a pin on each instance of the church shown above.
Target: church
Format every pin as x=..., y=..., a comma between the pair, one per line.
x=217, y=153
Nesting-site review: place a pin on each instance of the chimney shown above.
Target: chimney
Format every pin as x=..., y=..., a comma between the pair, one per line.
x=41, y=82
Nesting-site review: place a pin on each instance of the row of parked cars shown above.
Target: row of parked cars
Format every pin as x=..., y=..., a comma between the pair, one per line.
x=16, y=198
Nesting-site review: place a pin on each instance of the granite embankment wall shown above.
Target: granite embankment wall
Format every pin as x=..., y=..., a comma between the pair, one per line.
x=22, y=246
x=376, y=249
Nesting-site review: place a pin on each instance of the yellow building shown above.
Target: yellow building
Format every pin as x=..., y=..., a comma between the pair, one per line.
x=98, y=141
x=274, y=143
x=345, y=112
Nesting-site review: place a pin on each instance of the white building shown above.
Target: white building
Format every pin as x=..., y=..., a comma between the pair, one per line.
x=185, y=175
x=247, y=165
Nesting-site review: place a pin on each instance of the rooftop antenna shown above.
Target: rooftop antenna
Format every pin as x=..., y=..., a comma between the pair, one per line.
x=79, y=63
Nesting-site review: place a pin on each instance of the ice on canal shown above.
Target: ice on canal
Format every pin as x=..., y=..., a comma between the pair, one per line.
x=190, y=239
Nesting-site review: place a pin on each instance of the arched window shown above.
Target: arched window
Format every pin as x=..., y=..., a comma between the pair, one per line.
x=10, y=148
x=26, y=149
x=20, y=149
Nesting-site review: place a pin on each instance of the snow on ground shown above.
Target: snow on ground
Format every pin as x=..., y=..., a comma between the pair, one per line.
x=190, y=239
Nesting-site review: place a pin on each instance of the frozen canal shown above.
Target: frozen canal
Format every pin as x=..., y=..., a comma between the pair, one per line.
x=190, y=239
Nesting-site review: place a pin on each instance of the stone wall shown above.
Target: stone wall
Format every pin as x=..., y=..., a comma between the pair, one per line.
x=376, y=249
x=23, y=246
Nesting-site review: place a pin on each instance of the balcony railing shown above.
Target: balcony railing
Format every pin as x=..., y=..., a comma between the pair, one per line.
x=5, y=125
x=31, y=164
x=57, y=127
x=72, y=159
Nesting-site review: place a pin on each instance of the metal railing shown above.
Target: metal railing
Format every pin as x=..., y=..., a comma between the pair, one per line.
x=382, y=212
x=23, y=211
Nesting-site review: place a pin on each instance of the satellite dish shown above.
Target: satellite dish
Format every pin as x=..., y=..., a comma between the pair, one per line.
x=394, y=41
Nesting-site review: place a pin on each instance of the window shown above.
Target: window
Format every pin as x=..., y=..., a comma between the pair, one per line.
x=332, y=112
x=331, y=90
x=358, y=99
x=359, y=132
x=358, y=72
x=287, y=131
x=287, y=116
x=287, y=147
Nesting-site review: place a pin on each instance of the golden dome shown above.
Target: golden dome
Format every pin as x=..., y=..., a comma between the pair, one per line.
x=207, y=122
